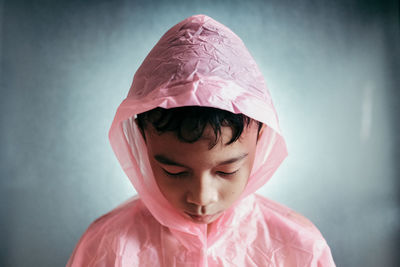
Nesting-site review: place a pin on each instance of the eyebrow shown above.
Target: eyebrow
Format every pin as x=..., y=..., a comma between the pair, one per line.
x=232, y=160
x=166, y=161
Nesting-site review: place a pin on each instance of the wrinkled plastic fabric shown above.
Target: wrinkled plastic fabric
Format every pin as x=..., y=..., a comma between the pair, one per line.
x=199, y=62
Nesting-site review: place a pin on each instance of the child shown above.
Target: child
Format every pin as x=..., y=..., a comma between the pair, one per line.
x=197, y=135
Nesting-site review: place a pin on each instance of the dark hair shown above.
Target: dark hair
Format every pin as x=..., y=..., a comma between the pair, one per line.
x=189, y=122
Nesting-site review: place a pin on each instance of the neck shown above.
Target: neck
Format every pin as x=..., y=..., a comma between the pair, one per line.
x=209, y=228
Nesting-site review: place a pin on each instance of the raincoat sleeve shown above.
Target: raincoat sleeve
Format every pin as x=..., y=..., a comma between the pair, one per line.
x=88, y=251
x=324, y=258
x=114, y=239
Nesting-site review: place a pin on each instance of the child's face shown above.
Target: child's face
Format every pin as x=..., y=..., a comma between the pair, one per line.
x=200, y=182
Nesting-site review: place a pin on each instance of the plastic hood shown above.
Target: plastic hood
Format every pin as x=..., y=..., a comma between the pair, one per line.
x=198, y=62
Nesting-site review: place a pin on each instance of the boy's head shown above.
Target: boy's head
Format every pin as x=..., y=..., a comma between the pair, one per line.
x=201, y=157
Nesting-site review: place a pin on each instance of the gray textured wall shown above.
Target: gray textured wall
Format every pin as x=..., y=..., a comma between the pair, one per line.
x=331, y=67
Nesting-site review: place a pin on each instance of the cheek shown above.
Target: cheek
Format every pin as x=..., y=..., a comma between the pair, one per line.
x=246, y=173
x=233, y=188
x=172, y=190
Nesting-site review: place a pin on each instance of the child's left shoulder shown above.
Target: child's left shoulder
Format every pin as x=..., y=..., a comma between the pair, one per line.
x=274, y=209
x=291, y=233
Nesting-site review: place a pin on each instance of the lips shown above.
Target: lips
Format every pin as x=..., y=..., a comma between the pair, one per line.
x=201, y=218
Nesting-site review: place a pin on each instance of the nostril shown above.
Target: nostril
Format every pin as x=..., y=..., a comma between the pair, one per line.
x=203, y=210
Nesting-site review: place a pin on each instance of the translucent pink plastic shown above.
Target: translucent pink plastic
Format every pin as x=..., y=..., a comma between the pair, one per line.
x=199, y=62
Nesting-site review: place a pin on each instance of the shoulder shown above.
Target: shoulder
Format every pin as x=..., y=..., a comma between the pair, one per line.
x=124, y=218
x=131, y=210
x=273, y=210
x=292, y=233
x=111, y=233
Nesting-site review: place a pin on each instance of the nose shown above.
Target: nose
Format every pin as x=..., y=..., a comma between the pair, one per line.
x=202, y=192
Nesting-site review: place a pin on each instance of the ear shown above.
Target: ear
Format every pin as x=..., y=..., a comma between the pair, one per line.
x=141, y=130
x=261, y=131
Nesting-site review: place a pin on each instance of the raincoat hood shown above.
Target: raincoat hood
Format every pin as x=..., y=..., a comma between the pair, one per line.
x=198, y=62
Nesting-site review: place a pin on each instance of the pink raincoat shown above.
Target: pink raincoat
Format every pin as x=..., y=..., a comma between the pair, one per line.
x=199, y=62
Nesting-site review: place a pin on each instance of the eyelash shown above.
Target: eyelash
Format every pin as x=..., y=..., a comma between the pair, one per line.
x=180, y=175
x=227, y=173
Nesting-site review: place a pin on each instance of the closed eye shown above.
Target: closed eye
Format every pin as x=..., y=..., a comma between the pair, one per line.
x=227, y=173
x=175, y=175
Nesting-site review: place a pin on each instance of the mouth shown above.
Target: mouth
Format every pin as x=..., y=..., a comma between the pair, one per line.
x=202, y=218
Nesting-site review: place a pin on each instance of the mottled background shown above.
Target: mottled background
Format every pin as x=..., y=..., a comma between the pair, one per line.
x=332, y=68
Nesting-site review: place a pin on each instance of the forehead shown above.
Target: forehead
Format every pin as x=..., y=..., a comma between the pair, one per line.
x=167, y=143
